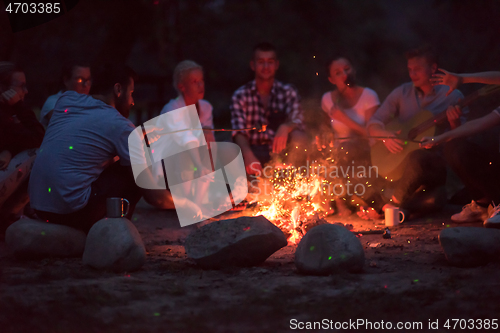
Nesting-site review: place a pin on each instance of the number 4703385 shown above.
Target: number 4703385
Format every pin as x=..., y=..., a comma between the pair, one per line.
x=32, y=8
x=471, y=324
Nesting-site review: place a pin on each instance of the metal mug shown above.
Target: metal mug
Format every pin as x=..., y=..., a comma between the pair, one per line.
x=114, y=207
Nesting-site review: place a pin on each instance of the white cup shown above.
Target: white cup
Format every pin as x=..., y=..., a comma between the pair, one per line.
x=392, y=216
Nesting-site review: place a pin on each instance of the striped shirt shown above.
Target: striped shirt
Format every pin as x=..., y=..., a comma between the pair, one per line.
x=247, y=111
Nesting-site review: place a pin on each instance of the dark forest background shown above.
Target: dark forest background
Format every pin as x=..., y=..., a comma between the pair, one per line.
x=153, y=35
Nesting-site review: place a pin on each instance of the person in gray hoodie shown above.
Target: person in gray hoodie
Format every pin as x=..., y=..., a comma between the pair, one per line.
x=84, y=157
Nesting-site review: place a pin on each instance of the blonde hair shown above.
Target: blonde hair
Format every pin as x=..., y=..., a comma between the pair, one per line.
x=181, y=70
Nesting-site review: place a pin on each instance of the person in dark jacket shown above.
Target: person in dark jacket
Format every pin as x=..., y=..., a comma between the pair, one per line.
x=20, y=135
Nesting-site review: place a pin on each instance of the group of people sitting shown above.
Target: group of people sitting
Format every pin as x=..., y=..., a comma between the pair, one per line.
x=69, y=169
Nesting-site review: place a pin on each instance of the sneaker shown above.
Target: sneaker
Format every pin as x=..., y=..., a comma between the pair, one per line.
x=471, y=213
x=493, y=220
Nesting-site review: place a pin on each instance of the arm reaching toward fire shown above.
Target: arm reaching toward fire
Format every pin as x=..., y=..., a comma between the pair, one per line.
x=454, y=80
x=393, y=145
x=281, y=136
x=384, y=114
x=337, y=114
x=470, y=128
x=252, y=164
x=239, y=121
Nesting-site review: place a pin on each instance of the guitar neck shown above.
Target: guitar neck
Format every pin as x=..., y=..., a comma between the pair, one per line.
x=441, y=117
x=463, y=103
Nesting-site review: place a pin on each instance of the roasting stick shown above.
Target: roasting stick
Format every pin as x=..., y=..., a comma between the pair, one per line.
x=373, y=137
x=264, y=127
x=261, y=129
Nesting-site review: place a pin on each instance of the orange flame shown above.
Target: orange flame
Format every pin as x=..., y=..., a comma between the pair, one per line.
x=295, y=198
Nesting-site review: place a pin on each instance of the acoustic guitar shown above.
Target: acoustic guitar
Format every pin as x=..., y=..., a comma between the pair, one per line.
x=412, y=131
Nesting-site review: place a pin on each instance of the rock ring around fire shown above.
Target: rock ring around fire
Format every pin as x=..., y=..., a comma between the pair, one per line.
x=243, y=242
x=328, y=249
x=114, y=244
x=470, y=246
x=32, y=239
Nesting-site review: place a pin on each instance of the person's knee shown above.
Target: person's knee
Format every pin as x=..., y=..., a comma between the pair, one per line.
x=456, y=152
x=425, y=162
x=452, y=145
x=417, y=159
x=298, y=138
x=159, y=198
x=419, y=155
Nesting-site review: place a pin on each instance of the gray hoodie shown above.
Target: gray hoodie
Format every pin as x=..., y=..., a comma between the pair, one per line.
x=83, y=136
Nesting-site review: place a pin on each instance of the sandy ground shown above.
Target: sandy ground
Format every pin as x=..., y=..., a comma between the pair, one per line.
x=406, y=279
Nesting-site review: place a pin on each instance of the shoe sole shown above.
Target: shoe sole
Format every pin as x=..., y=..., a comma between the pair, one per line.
x=471, y=220
x=468, y=221
x=491, y=225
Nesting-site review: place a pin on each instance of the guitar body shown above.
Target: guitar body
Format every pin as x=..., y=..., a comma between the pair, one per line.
x=387, y=162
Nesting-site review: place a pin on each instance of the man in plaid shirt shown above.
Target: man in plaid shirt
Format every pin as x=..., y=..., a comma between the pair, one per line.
x=265, y=101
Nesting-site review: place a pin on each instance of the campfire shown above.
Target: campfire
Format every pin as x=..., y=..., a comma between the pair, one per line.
x=295, y=199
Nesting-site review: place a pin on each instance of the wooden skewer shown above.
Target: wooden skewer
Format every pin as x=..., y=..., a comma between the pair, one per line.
x=261, y=129
x=373, y=137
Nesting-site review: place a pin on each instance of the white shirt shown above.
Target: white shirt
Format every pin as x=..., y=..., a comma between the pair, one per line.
x=171, y=127
x=205, y=114
x=366, y=101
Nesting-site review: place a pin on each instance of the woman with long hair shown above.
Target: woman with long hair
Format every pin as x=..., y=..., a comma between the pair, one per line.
x=349, y=107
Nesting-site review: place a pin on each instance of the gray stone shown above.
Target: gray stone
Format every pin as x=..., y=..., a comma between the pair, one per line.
x=327, y=249
x=114, y=244
x=470, y=246
x=243, y=242
x=31, y=239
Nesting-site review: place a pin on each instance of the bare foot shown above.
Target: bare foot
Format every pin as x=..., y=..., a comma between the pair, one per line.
x=388, y=205
x=368, y=213
x=394, y=200
x=342, y=209
x=330, y=211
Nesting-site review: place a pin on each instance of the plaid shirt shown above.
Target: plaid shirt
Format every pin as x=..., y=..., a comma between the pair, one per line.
x=247, y=110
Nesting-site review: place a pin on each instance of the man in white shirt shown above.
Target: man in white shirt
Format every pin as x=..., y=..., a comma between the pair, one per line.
x=189, y=82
